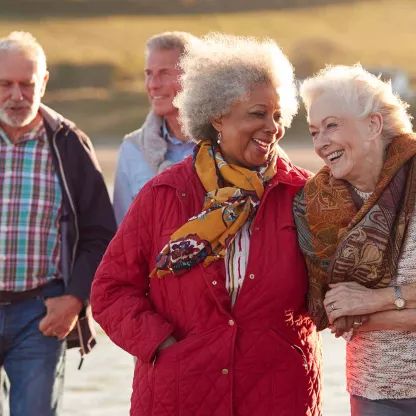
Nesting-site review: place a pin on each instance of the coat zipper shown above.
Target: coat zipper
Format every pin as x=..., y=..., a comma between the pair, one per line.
x=71, y=203
x=82, y=346
x=75, y=246
x=74, y=249
x=300, y=351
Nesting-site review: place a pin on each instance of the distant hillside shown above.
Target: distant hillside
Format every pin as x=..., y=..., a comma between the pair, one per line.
x=96, y=63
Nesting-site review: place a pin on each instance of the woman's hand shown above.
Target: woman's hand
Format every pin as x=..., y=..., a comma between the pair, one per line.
x=403, y=320
x=350, y=299
x=346, y=323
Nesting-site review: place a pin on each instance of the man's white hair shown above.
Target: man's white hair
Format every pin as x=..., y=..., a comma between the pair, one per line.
x=363, y=94
x=167, y=41
x=27, y=44
x=221, y=70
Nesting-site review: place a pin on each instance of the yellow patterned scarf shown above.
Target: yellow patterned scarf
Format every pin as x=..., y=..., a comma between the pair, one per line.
x=233, y=195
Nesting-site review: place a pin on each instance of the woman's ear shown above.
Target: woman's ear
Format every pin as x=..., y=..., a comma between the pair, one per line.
x=376, y=124
x=217, y=123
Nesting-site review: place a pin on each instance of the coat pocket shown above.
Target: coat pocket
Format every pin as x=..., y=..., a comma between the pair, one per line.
x=169, y=378
x=290, y=387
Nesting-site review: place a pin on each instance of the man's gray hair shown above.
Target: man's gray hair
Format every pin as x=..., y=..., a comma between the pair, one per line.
x=363, y=93
x=167, y=41
x=221, y=71
x=26, y=43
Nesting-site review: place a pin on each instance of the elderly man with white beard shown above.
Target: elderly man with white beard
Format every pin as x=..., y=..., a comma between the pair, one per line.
x=56, y=220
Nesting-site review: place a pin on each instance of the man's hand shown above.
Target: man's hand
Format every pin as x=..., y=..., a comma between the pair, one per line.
x=61, y=316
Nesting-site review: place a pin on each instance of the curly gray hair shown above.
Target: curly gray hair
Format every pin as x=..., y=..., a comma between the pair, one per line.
x=221, y=70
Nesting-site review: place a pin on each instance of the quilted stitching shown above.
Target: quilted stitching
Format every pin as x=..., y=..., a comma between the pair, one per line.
x=266, y=376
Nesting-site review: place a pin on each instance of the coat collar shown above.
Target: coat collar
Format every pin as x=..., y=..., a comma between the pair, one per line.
x=182, y=173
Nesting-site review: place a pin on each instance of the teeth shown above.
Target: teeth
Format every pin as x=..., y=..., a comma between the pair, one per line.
x=261, y=143
x=334, y=155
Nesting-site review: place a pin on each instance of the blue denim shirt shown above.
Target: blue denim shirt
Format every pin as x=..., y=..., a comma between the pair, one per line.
x=133, y=171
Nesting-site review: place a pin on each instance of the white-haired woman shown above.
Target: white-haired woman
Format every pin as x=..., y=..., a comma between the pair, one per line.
x=205, y=282
x=357, y=228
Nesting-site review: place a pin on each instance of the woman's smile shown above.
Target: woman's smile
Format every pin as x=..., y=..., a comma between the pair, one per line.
x=334, y=157
x=263, y=146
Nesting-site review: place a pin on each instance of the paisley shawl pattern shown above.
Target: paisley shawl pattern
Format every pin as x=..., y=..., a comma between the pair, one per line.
x=343, y=241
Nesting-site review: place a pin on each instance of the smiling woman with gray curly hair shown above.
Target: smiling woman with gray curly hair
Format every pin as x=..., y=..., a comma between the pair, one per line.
x=205, y=274
x=220, y=72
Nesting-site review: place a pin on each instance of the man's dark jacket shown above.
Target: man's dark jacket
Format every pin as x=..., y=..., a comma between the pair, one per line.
x=87, y=211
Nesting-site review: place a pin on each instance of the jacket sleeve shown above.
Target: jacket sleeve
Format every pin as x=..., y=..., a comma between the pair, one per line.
x=131, y=175
x=119, y=293
x=94, y=218
x=123, y=196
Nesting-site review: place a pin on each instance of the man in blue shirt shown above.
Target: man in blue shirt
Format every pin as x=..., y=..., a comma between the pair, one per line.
x=159, y=143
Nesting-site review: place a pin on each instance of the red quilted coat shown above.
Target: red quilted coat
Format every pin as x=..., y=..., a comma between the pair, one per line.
x=260, y=358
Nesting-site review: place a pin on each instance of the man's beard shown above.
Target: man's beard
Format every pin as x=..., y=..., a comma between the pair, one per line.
x=18, y=120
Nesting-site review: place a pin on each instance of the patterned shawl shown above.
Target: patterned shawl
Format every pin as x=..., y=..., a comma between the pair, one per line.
x=345, y=240
x=233, y=195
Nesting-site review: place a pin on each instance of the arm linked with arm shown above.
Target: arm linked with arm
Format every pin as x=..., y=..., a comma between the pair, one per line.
x=403, y=320
x=385, y=297
x=351, y=298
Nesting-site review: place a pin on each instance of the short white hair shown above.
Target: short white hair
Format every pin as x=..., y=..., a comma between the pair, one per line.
x=363, y=94
x=27, y=44
x=221, y=70
x=168, y=41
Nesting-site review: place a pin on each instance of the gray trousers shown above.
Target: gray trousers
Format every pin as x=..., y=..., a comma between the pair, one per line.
x=360, y=406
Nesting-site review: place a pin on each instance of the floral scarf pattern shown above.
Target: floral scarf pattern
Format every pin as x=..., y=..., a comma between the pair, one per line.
x=344, y=240
x=233, y=194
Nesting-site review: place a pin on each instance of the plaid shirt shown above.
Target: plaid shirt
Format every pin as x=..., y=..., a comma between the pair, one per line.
x=30, y=206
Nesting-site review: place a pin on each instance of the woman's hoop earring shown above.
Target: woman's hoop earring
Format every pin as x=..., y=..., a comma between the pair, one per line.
x=219, y=137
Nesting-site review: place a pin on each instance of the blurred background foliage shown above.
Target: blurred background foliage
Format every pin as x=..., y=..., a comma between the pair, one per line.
x=95, y=48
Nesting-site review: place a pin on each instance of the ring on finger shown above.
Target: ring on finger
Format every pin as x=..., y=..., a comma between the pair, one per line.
x=333, y=308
